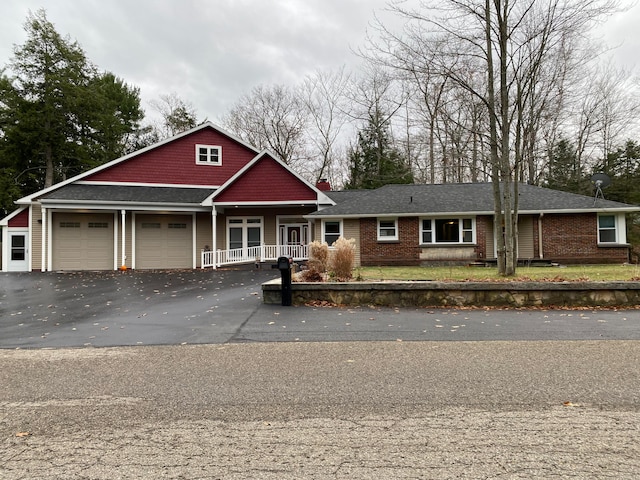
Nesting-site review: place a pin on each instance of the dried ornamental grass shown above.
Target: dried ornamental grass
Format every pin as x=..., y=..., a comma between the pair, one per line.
x=319, y=254
x=343, y=259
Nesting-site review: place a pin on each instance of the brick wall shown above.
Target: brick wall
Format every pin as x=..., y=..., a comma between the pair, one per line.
x=483, y=229
x=567, y=238
x=573, y=238
x=404, y=251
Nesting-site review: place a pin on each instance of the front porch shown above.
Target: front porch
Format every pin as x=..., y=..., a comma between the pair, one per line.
x=257, y=254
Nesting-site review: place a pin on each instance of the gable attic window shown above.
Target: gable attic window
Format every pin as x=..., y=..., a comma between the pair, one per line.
x=208, y=155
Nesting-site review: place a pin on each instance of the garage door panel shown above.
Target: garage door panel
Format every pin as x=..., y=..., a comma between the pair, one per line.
x=82, y=241
x=164, y=241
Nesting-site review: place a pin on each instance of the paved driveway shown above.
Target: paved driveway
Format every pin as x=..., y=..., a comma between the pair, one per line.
x=127, y=308
x=41, y=310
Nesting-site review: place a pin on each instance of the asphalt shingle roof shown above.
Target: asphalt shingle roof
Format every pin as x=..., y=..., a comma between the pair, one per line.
x=456, y=198
x=128, y=193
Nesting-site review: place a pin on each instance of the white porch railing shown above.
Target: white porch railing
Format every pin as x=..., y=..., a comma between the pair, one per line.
x=252, y=254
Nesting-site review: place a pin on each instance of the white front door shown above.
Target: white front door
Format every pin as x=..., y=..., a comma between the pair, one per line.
x=18, y=252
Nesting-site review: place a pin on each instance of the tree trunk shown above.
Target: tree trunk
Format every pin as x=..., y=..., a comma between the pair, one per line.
x=48, y=178
x=498, y=219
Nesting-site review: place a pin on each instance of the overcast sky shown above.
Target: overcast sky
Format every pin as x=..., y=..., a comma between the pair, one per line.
x=211, y=52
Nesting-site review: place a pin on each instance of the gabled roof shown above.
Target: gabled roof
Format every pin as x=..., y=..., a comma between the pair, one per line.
x=5, y=221
x=207, y=125
x=458, y=198
x=266, y=179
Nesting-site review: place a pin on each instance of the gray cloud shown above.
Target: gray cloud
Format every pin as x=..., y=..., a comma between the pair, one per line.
x=210, y=52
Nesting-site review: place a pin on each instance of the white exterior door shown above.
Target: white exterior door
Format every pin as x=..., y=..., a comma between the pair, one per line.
x=18, y=252
x=244, y=232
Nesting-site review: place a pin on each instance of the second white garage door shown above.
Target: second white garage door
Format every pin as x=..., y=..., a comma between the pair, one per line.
x=164, y=241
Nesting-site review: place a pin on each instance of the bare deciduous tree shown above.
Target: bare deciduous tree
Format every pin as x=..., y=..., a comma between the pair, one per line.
x=272, y=118
x=516, y=46
x=177, y=115
x=323, y=96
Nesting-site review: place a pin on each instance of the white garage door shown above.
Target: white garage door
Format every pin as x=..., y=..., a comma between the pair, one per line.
x=164, y=241
x=82, y=241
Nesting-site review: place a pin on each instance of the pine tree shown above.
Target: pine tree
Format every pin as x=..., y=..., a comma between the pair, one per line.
x=565, y=173
x=374, y=161
x=58, y=115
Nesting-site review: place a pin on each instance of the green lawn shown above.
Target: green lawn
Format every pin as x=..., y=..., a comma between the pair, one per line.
x=490, y=274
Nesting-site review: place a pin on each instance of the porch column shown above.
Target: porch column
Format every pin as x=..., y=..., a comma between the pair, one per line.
x=49, y=218
x=194, y=245
x=214, y=249
x=123, y=216
x=43, y=265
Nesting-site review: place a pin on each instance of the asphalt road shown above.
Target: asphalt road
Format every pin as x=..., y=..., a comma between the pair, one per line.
x=343, y=410
x=42, y=310
x=215, y=385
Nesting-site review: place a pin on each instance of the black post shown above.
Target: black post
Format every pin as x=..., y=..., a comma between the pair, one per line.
x=284, y=265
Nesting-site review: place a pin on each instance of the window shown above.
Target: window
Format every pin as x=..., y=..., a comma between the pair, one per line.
x=331, y=231
x=447, y=230
x=208, y=155
x=426, y=232
x=98, y=225
x=18, y=248
x=181, y=226
x=607, y=229
x=387, y=229
x=69, y=224
x=244, y=232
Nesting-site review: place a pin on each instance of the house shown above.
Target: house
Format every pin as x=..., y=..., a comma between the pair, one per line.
x=453, y=224
x=202, y=198
x=205, y=198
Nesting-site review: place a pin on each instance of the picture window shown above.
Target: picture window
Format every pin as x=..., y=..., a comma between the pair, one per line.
x=447, y=230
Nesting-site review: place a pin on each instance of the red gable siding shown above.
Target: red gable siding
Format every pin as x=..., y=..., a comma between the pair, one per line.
x=175, y=162
x=20, y=220
x=266, y=181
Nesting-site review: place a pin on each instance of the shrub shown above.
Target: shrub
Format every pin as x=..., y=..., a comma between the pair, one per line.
x=343, y=259
x=311, y=274
x=319, y=254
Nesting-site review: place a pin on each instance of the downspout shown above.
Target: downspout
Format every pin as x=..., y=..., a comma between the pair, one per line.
x=540, y=249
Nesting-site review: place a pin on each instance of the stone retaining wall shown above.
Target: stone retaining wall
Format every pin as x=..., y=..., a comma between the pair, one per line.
x=460, y=294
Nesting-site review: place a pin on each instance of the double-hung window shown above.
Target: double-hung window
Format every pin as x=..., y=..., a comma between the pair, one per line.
x=208, y=155
x=387, y=229
x=607, y=231
x=331, y=231
x=447, y=230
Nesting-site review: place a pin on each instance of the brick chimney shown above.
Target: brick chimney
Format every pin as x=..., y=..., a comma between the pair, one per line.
x=323, y=185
